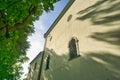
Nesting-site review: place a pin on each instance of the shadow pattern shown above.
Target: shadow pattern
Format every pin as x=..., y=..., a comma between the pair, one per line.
x=102, y=12
x=60, y=68
x=111, y=37
x=92, y=66
x=110, y=63
x=103, y=65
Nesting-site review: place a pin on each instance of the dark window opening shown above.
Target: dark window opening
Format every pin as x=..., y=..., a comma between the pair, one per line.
x=47, y=62
x=35, y=66
x=50, y=38
x=73, y=48
x=69, y=17
x=29, y=70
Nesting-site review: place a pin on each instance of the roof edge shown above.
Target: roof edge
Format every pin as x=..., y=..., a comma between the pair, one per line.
x=59, y=17
x=40, y=53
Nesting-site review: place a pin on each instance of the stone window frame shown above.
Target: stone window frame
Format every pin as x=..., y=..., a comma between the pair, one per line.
x=71, y=46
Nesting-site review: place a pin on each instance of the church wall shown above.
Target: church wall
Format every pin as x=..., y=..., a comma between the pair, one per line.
x=95, y=25
x=84, y=30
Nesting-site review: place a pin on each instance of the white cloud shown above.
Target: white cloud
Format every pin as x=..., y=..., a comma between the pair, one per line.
x=36, y=40
x=39, y=25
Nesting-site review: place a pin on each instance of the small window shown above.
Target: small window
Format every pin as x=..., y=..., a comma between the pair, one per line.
x=73, y=48
x=35, y=66
x=50, y=38
x=47, y=62
x=69, y=17
x=29, y=70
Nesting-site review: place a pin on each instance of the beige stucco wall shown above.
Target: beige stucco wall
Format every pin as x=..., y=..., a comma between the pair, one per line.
x=82, y=29
x=96, y=25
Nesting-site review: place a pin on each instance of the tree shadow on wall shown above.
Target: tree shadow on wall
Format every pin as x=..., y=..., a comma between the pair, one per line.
x=111, y=37
x=109, y=65
x=103, y=65
x=92, y=66
x=102, y=12
x=61, y=68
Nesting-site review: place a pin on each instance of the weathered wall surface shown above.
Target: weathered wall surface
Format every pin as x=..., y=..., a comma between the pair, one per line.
x=96, y=24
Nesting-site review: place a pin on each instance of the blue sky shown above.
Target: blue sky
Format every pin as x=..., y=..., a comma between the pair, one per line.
x=41, y=26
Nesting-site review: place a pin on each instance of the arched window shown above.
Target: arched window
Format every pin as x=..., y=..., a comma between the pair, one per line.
x=73, y=48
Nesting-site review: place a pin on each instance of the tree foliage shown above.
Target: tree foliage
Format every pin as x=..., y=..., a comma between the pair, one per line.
x=16, y=24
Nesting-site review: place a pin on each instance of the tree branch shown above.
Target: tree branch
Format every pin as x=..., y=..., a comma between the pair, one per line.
x=7, y=32
x=7, y=28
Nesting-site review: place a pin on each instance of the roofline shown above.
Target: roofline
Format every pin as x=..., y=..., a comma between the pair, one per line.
x=40, y=53
x=59, y=17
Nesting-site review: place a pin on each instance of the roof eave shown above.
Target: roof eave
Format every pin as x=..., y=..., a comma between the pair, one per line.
x=59, y=17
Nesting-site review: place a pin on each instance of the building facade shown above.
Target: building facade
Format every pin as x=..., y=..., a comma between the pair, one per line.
x=34, y=68
x=84, y=42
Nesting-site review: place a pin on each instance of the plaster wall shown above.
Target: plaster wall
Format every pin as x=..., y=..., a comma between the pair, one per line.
x=96, y=24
